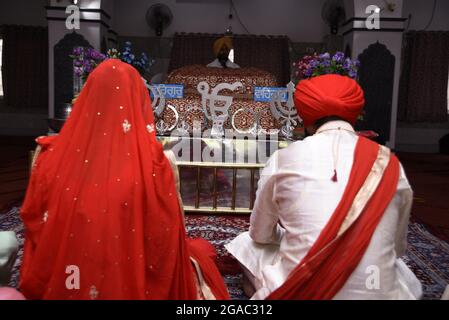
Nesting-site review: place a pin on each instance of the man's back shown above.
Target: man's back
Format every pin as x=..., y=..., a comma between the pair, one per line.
x=297, y=187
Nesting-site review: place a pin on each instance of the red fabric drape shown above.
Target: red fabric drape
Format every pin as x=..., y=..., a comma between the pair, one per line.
x=327, y=266
x=103, y=199
x=204, y=253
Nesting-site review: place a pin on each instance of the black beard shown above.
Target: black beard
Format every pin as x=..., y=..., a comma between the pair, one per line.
x=223, y=60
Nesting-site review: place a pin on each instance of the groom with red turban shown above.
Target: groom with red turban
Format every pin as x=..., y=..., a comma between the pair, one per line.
x=331, y=212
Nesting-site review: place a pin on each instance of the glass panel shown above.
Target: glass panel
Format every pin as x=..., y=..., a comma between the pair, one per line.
x=256, y=180
x=207, y=187
x=188, y=185
x=243, y=188
x=224, y=187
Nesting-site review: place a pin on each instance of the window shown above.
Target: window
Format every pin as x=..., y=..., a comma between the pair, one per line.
x=1, y=81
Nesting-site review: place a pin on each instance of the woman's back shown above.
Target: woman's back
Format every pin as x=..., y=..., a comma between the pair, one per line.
x=102, y=202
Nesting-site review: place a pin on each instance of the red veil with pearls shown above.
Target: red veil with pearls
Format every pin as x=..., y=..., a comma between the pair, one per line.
x=102, y=204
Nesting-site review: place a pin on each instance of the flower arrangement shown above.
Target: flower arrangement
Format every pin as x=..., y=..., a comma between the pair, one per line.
x=316, y=65
x=142, y=64
x=113, y=53
x=85, y=60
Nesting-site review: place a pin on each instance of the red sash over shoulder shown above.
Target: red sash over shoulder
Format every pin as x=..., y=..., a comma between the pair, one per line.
x=343, y=242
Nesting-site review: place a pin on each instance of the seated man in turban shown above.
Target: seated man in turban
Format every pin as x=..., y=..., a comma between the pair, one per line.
x=331, y=212
x=222, y=48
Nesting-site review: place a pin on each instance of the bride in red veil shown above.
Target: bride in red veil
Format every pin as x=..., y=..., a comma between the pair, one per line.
x=101, y=209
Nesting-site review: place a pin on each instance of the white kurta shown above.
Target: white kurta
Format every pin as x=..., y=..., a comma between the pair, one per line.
x=216, y=64
x=9, y=247
x=296, y=189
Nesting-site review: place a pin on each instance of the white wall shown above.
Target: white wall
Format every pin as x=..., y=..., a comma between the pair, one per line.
x=91, y=4
x=357, y=8
x=298, y=19
x=91, y=31
x=360, y=40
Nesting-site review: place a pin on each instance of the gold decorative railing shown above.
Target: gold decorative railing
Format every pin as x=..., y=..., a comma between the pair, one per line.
x=216, y=166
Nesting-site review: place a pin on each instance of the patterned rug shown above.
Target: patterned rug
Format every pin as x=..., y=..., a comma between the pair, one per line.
x=427, y=255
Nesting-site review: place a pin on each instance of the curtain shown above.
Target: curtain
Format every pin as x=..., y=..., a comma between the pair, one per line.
x=269, y=53
x=25, y=66
x=424, y=79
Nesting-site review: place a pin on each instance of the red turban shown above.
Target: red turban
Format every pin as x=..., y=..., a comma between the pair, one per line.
x=329, y=95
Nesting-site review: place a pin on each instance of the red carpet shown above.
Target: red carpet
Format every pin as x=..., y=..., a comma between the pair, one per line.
x=427, y=256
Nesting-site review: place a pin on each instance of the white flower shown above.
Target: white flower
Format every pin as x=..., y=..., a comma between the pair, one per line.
x=126, y=126
x=150, y=128
x=93, y=293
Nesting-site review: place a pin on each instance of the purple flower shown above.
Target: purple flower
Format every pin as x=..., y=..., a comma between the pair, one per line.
x=77, y=51
x=311, y=66
x=88, y=52
x=102, y=57
x=314, y=63
x=347, y=64
x=308, y=72
x=326, y=63
x=339, y=57
x=325, y=56
x=352, y=74
x=78, y=71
